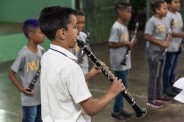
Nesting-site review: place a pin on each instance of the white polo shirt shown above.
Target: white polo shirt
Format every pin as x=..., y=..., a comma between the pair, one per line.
x=63, y=87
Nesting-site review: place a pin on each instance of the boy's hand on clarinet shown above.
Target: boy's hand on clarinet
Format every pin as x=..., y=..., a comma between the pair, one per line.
x=27, y=91
x=128, y=44
x=131, y=43
x=165, y=44
x=116, y=87
x=94, y=71
x=169, y=38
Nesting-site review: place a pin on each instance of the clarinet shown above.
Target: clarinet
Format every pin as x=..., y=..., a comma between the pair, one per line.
x=80, y=59
x=129, y=49
x=141, y=112
x=33, y=82
x=169, y=32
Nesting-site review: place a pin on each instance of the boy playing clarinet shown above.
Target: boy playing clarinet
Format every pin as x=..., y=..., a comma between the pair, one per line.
x=64, y=93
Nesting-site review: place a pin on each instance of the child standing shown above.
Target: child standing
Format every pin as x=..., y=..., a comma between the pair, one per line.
x=173, y=18
x=65, y=96
x=118, y=43
x=27, y=64
x=82, y=58
x=155, y=35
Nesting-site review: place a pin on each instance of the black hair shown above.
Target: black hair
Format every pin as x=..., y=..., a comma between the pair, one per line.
x=30, y=25
x=169, y=1
x=121, y=6
x=53, y=18
x=156, y=4
x=79, y=12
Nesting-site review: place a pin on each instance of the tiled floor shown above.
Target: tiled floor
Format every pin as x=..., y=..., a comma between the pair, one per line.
x=11, y=111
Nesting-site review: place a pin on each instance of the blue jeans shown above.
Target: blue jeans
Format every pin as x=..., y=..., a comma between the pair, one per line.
x=32, y=114
x=118, y=103
x=169, y=74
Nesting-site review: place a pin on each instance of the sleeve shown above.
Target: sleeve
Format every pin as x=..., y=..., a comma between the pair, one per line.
x=149, y=29
x=18, y=64
x=114, y=35
x=77, y=85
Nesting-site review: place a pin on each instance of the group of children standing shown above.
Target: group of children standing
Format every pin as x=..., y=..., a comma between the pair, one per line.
x=64, y=92
x=163, y=49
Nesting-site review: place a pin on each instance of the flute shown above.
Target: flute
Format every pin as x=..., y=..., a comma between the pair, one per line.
x=141, y=112
x=33, y=82
x=129, y=49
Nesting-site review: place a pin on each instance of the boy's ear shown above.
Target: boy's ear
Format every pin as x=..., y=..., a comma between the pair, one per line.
x=62, y=34
x=30, y=34
x=157, y=10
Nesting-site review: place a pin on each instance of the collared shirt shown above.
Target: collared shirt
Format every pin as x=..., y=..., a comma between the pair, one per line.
x=63, y=87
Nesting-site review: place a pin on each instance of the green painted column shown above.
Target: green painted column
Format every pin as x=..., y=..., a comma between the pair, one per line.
x=148, y=8
x=182, y=8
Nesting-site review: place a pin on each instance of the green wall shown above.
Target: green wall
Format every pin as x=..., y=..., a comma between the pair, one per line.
x=19, y=10
x=11, y=44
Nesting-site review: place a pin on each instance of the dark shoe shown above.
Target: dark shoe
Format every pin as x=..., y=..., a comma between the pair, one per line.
x=118, y=116
x=155, y=104
x=126, y=114
x=165, y=100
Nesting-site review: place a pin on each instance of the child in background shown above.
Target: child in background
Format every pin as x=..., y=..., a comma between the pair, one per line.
x=27, y=64
x=155, y=35
x=175, y=22
x=118, y=43
x=82, y=57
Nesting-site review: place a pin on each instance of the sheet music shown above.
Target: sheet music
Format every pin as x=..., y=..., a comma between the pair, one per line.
x=179, y=83
x=180, y=97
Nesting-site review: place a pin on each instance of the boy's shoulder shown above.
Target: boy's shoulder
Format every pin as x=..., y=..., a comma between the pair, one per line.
x=170, y=14
x=23, y=50
x=152, y=19
x=179, y=14
x=82, y=34
x=118, y=25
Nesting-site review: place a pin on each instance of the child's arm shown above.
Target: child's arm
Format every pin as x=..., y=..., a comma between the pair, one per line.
x=179, y=34
x=152, y=39
x=93, y=106
x=14, y=80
